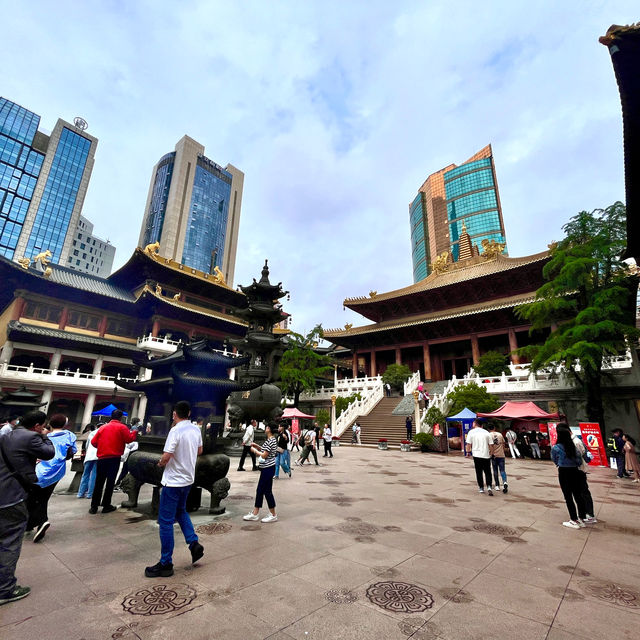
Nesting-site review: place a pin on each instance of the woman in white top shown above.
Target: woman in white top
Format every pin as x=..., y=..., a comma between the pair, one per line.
x=267, y=466
x=328, y=437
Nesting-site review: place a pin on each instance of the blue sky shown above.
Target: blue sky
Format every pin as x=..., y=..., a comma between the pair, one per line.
x=336, y=112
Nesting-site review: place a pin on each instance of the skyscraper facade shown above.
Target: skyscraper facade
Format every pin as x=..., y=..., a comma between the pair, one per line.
x=90, y=254
x=193, y=209
x=43, y=182
x=450, y=198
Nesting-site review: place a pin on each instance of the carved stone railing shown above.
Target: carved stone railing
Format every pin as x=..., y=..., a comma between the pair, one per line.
x=412, y=383
x=60, y=378
x=370, y=398
x=343, y=388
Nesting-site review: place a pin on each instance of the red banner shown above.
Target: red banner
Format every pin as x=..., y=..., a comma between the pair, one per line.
x=592, y=438
x=553, y=434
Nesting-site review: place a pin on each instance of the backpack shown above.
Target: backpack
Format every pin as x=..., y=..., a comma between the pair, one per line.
x=307, y=438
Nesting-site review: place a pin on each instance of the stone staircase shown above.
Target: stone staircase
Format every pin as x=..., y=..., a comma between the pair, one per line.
x=381, y=423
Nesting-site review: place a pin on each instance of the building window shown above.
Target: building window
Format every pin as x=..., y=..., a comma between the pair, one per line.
x=124, y=328
x=42, y=312
x=83, y=320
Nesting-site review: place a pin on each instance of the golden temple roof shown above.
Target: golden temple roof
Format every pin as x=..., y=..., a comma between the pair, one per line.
x=457, y=272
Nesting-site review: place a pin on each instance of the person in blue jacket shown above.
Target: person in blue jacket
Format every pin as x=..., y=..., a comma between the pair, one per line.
x=49, y=473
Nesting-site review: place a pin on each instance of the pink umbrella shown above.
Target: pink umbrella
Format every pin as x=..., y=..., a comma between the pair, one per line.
x=294, y=413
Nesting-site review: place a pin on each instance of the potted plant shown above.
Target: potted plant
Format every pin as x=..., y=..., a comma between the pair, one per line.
x=425, y=440
x=336, y=441
x=405, y=445
x=382, y=444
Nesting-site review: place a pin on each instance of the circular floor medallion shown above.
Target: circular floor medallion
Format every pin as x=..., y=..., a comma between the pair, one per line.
x=215, y=528
x=399, y=597
x=357, y=528
x=494, y=529
x=614, y=593
x=341, y=596
x=159, y=599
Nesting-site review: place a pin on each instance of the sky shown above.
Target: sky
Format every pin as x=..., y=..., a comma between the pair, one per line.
x=336, y=112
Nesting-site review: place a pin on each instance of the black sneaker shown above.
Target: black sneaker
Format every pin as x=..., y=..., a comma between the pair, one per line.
x=505, y=488
x=17, y=594
x=108, y=509
x=40, y=531
x=93, y=510
x=159, y=570
x=197, y=551
x=240, y=469
x=490, y=492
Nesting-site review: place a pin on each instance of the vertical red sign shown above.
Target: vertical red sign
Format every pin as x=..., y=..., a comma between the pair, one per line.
x=592, y=438
x=553, y=434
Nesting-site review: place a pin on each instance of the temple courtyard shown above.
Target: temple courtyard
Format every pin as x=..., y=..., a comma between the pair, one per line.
x=372, y=544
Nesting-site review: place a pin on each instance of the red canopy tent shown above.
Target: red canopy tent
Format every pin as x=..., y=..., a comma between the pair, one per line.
x=520, y=411
x=294, y=413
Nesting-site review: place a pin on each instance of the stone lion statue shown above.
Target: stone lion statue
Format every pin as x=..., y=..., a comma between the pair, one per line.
x=441, y=263
x=491, y=248
x=178, y=296
x=218, y=276
x=152, y=249
x=43, y=258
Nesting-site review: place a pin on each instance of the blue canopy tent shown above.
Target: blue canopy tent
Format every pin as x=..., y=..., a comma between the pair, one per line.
x=466, y=417
x=107, y=411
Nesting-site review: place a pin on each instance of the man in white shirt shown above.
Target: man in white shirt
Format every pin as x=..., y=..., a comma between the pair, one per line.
x=247, y=441
x=181, y=449
x=479, y=444
x=511, y=440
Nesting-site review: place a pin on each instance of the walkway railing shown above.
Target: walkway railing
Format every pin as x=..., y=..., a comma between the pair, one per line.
x=344, y=388
x=154, y=343
x=412, y=383
x=59, y=376
x=357, y=408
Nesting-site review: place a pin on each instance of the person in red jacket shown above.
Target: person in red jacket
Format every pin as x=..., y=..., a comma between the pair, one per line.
x=110, y=441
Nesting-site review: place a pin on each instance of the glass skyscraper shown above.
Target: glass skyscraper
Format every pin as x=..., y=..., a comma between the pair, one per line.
x=450, y=198
x=20, y=166
x=43, y=181
x=193, y=209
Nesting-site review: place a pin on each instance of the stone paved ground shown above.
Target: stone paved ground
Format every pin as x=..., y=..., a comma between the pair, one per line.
x=373, y=544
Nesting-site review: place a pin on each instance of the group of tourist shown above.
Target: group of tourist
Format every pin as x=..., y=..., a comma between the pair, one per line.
x=487, y=452
x=622, y=447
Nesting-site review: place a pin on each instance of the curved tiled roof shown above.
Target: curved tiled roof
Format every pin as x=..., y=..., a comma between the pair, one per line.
x=86, y=282
x=458, y=272
x=426, y=318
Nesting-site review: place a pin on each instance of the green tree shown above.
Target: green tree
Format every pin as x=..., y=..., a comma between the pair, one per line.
x=435, y=416
x=323, y=417
x=301, y=366
x=491, y=363
x=473, y=397
x=396, y=375
x=588, y=301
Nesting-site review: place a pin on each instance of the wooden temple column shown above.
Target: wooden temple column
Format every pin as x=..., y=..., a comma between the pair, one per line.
x=372, y=367
x=354, y=365
x=64, y=317
x=88, y=408
x=513, y=346
x=475, y=349
x=426, y=356
x=155, y=329
x=398, y=356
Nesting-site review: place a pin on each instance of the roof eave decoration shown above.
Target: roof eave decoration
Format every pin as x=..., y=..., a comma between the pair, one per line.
x=455, y=273
x=351, y=331
x=175, y=301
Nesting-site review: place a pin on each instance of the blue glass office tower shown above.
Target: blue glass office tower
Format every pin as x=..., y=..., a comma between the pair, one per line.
x=193, y=209
x=43, y=181
x=450, y=198
x=20, y=166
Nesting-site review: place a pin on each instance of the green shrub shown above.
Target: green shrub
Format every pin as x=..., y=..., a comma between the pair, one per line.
x=323, y=417
x=425, y=440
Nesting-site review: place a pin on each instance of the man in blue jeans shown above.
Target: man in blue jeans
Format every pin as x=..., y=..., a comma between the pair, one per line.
x=181, y=449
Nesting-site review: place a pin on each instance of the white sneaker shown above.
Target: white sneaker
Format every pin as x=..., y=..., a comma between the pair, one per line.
x=572, y=524
x=251, y=516
x=590, y=520
x=269, y=518
x=480, y=490
x=581, y=524
x=497, y=487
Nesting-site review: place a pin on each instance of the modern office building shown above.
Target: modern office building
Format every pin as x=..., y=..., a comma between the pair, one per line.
x=456, y=196
x=193, y=210
x=43, y=182
x=90, y=254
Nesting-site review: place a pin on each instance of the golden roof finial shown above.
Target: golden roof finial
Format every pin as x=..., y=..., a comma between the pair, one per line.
x=464, y=227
